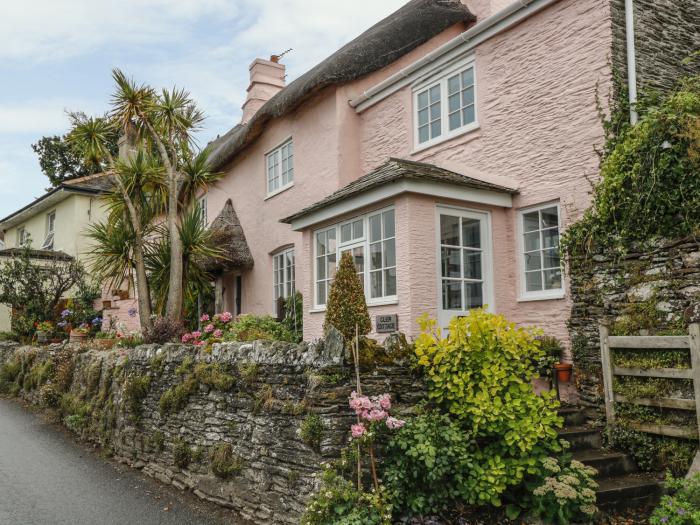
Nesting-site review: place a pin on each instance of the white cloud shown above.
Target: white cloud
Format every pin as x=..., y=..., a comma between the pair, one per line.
x=48, y=30
x=36, y=116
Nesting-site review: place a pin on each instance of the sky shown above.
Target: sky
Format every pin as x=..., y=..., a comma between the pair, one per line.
x=57, y=56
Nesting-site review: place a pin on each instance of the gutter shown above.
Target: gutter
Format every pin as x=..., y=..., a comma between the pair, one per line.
x=469, y=39
x=631, y=61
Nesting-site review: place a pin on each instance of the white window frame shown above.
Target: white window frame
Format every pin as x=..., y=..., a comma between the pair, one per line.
x=202, y=210
x=489, y=302
x=21, y=236
x=441, y=80
x=48, y=243
x=278, y=150
x=363, y=241
x=282, y=255
x=541, y=295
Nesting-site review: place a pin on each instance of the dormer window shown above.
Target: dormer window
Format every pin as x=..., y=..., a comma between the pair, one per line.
x=280, y=168
x=445, y=106
x=50, y=230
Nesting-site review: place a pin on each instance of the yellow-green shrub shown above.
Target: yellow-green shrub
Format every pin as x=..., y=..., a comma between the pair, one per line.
x=480, y=373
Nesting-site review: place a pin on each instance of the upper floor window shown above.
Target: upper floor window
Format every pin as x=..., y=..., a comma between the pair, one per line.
x=542, y=276
x=283, y=274
x=22, y=236
x=371, y=240
x=446, y=106
x=202, y=210
x=50, y=229
x=280, y=168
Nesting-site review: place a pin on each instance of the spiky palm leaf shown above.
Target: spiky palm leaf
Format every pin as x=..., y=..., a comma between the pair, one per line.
x=111, y=257
x=198, y=177
x=91, y=138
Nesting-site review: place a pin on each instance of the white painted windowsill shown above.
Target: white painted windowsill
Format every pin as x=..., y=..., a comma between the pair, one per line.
x=279, y=190
x=474, y=126
x=380, y=302
x=545, y=296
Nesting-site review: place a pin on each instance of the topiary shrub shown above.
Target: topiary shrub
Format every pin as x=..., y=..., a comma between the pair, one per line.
x=480, y=374
x=224, y=463
x=163, y=330
x=346, y=307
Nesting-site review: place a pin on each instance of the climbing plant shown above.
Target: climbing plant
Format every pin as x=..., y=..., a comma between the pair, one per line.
x=648, y=188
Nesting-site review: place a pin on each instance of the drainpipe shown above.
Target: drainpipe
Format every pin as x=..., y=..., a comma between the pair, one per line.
x=631, y=61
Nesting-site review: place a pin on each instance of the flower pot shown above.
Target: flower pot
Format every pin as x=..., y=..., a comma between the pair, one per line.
x=42, y=337
x=563, y=372
x=106, y=305
x=78, y=337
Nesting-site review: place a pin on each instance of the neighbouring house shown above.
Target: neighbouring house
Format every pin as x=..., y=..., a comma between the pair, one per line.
x=446, y=148
x=56, y=223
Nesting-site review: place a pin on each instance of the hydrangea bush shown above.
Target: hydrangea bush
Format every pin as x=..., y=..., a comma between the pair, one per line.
x=247, y=327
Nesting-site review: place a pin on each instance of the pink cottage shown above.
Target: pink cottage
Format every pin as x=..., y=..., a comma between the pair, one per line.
x=446, y=148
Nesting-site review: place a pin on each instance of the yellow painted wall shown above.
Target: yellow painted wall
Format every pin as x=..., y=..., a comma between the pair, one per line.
x=73, y=215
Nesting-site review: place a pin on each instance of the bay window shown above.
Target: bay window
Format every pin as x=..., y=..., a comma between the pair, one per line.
x=371, y=240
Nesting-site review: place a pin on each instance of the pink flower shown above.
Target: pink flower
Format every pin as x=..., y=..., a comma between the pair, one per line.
x=393, y=423
x=196, y=334
x=204, y=318
x=384, y=401
x=376, y=415
x=358, y=430
x=218, y=333
x=209, y=328
x=186, y=338
x=226, y=317
x=200, y=343
x=360, y=404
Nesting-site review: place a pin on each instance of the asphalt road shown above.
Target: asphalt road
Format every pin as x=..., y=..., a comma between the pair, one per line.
x=47, y=478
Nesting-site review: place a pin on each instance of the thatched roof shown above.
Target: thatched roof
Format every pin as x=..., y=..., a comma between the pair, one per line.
x=229, y=236
x=385, y=42
x=394, y=170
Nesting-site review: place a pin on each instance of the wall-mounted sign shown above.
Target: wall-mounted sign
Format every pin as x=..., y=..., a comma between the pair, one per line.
x=386, y=323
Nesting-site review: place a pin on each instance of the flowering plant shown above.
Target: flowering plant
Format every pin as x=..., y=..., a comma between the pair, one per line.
x=565, y=494
x=682, y=505
x=82, y=329
x=45, y=326
x=372, y=411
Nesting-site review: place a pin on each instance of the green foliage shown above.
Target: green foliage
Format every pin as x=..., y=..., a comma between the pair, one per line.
x=186, y=366
x=631, y=413
x=294, y=315
x=135, y=391
x=431, y=465
x=649, y=186
x=251, y=327
x=33, y=289
x=682, y=505
x=157, y=441
x=60, y=161
x=635, y=387
x=346, y=307
x=38, y=374
x=8, y=336
x=563, y=492
x=248, y=372
x=130, y=341
x=651, y=452
x=552, y=350
x=311, y=431
x=175, y=399
x=182, y=453
x=10, y=377
x=481, y=375
x=76, y=413
x=214, y=376
x=652, y=358
x=338, y=502
x=224, y=463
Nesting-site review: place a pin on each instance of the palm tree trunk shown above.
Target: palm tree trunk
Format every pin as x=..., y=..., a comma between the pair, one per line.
x=174, y=304
x=143, y=293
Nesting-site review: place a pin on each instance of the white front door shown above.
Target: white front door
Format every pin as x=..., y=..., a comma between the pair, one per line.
x=464, y=255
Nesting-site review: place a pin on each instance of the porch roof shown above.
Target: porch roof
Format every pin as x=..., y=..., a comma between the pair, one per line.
x=417, y=177
x=36, y=254
x=229, y=236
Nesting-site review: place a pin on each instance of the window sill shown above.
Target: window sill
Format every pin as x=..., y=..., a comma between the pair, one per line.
x=445, y=138
x=370, y=304
x=279, y=190
x=559, y=294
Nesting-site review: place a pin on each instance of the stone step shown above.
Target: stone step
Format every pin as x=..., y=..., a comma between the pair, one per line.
x=582, y=437
x=573, y=416
x=630, y=490
x=608, y=464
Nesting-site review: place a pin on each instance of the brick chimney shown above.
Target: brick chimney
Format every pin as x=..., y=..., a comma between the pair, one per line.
x=266, y=80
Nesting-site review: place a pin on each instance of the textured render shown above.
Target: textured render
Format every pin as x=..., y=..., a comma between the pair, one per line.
x=277, y=385
x=666, y=32
x=536, y=105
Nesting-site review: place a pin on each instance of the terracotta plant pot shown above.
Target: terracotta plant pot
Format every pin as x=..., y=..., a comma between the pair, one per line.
x=563, y=372
x=78, y=337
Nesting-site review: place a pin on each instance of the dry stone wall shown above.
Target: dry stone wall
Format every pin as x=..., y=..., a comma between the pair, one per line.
x=657, y=291
x=114, y=398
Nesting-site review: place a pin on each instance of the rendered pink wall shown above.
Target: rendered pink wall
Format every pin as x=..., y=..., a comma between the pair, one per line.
x=536, y=105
